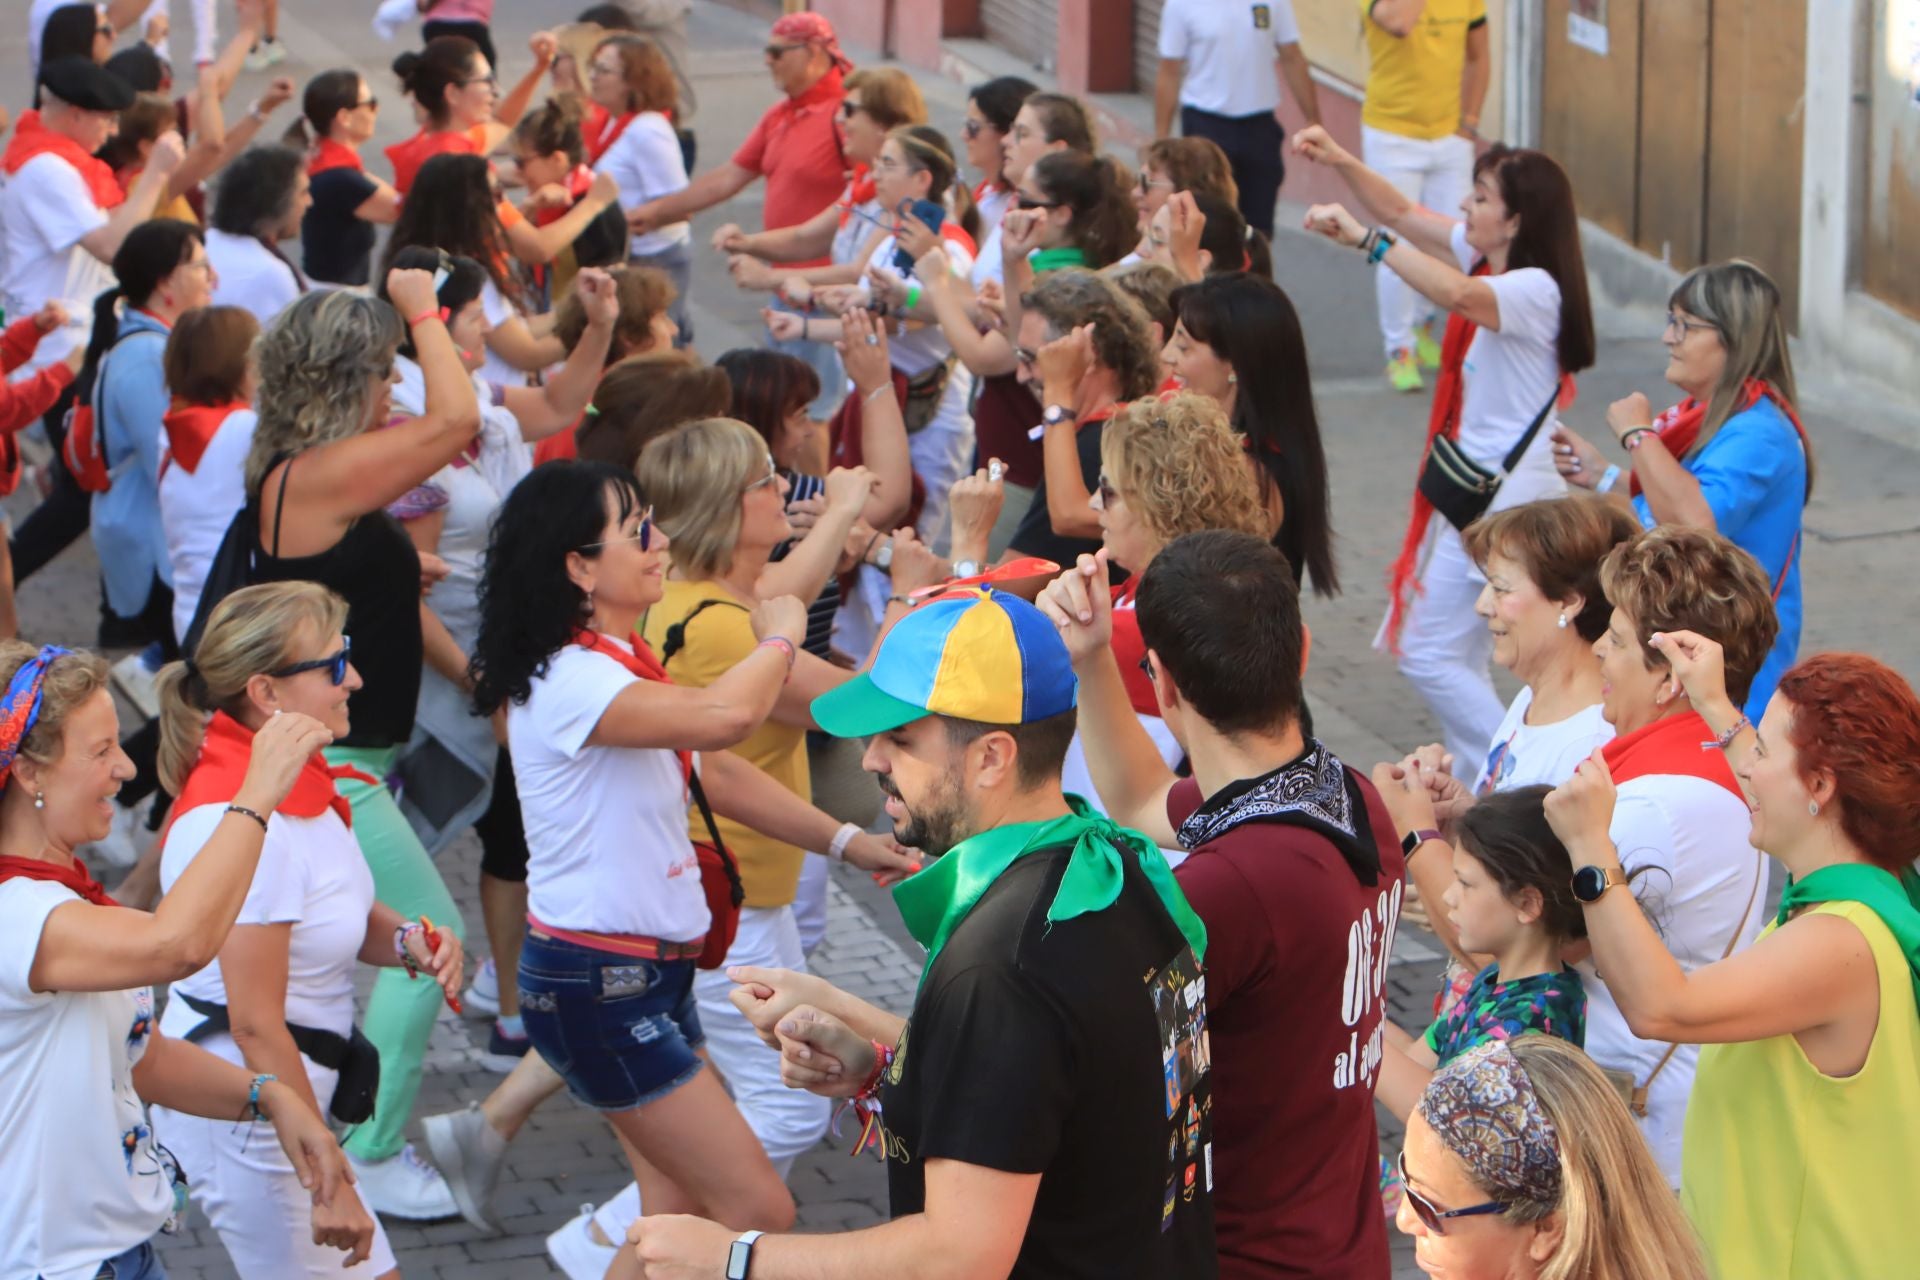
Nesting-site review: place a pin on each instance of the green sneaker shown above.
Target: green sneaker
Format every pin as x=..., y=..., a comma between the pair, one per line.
x=1403, y=372
x=1426, y=348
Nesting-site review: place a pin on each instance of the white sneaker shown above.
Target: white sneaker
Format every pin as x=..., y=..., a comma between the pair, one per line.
x=483, y=994
x=131, y=676
x=574, y=1250
x=470, y=1154
x=404, y=1186
x=276, y=52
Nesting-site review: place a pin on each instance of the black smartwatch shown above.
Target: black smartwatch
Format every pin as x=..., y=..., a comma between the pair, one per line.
x=740, y=1254
x=1590, y=884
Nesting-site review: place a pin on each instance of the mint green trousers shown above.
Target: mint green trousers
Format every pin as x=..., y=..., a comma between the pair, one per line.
x=400, y=1015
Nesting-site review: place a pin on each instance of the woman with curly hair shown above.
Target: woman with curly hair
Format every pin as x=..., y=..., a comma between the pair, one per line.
x=320, y=476
x=1167, y=467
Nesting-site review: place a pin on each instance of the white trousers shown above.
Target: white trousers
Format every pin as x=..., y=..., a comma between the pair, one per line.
x=246, y=1185
x=810, y=903
x=1446, y=651
x=1437, y=173
x=205, y=31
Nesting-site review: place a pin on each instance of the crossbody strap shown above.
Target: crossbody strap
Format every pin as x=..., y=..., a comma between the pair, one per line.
x=1638, y=1103
x=736, y=890
x=1519, y=449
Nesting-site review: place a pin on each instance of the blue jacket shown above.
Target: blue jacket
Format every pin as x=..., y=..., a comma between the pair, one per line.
x=129, y=401
x=1753, y=474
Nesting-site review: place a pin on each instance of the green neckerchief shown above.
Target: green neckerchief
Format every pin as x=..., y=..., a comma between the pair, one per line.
x=936, y=899
x=1044, y=260
x=1895, y=900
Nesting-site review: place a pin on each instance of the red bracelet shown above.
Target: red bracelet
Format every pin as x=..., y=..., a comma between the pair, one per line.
x=433, y=314
x=882, y=1059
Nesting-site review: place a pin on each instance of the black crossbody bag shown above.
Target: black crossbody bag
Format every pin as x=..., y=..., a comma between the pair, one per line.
x=1460, y=488
x=353, y=1056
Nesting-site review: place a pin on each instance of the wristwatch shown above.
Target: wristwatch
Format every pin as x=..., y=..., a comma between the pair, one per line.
x=1590, y=884
x=740, y=1254
x=1055, y=415
x=965, y=568
x=883, y=557
x=1414, y=839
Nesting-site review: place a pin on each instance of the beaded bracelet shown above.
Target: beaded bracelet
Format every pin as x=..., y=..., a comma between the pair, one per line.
x=253, y=1094
x=245, y=812
x=406, y=929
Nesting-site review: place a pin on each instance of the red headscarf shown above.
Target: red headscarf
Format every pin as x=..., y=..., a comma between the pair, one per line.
x=811, y=28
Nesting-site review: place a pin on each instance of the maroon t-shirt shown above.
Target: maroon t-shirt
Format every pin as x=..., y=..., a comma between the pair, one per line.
x=1297, y=954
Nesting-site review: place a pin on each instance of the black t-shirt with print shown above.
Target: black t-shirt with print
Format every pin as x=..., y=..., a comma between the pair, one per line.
x=1077, y=1050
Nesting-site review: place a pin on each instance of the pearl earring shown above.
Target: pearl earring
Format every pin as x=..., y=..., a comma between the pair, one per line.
x=39, y=799
x=1233, y=379
x=1813, y=808
x=1562, y=624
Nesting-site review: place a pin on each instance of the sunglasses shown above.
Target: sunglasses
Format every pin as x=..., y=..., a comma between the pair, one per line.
x=1034, y=202
x=370, y=102
x=972, y=128
x=1108, y=494
x=1147, y=184
x=642, y=535
x=849, y=108
x=334, y=665
x=781, y=50
x=1431, y=1216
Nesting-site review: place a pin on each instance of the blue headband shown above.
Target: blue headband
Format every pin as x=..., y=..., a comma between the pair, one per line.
x=20, y=708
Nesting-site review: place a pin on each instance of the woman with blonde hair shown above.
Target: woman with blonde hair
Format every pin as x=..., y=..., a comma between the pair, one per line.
x=1732, y=455
x=1522, y=1164
x=80, y=1059
x=319, y=476
x=278, y=999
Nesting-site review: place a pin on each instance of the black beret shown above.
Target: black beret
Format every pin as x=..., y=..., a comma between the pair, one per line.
x=139, y=66
x=82, y=83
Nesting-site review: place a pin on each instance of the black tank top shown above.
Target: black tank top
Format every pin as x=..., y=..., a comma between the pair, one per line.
x=375, y=568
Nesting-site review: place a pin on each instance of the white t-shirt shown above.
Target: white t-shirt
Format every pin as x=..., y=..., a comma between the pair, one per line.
x=1539, y=754
x=1692, y=833
x=990, y=265
x=918, y=350
x=859, y=225
x=250, y=276
x=45, y=211
x=312, y=876
x=606, y=826
x=498, y=311
x=198, y=506
x=1229, y=47
x=647, y=163
x=1508, y=375
x=85, y=1183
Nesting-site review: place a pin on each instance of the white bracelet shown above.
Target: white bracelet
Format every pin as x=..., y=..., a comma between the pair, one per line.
x=837, y=847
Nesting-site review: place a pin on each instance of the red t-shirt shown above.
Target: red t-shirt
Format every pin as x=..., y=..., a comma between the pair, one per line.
x=796, y=148
x=408, y=156
x=1129, y=648
x=1297, y=953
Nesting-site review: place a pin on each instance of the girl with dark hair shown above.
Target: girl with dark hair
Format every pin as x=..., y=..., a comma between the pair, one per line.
x=991, y=108
x=1074, y=209
x=1509, y=898
x=339, y=114
x=448, y=768
x=1238, y=340
x=456, y=89
x=1511, y=274
x=1202, y=233
x=164, y=272
x=260, y=201
x=571, y=211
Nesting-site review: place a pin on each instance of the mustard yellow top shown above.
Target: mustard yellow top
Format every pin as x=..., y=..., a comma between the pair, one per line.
x=1790, y=1174
x=720, y=637
x=1413, y=81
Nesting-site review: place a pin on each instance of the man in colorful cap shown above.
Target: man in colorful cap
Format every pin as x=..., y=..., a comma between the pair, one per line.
x=1046, y=1108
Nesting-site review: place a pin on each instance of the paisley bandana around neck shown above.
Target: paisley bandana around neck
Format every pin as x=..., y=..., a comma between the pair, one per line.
x=934, y=901
x=1315, y=791
x=1482, y=1105
x=20, y=708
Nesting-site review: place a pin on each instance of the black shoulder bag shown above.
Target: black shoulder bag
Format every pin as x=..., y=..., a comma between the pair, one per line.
x=1460, y=488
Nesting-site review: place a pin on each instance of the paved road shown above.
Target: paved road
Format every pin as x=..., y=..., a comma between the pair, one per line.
x=1863, y=532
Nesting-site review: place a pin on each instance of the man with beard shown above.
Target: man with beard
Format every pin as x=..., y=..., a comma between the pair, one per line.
x=1293, y=867
x=1046, y=1108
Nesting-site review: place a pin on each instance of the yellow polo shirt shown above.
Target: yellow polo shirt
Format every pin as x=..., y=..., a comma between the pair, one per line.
x=1413, y=81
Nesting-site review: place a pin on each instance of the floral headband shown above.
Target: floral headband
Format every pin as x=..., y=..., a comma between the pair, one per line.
x=1484, y=1108
x=20, y=707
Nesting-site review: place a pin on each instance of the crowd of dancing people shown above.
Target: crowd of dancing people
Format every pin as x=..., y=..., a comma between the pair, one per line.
x=425, y=532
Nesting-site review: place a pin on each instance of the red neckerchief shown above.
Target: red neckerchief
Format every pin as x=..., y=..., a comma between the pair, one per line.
x=640, y=661
x=986, y=189
x=408, y=156
x=191, y=427
x=1679, y=426
x=328, y=154
x=1101, y=414
x=1449, y=393
x=74, y=876
x=860, y=188
x=1676, y=744
x=221, y=769
x=605, y=133
x=31, y=138
x=827, y=91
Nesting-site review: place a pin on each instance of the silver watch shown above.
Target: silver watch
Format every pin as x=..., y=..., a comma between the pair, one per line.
x=965, y=568
x=883, y=557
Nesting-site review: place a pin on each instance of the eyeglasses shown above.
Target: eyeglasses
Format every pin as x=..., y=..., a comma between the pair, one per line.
x=489, y=80
x=772, y=477
x=972, y=128
x=1025, y=201
x=1686, y=326
x=642, y=535
x=335, y=665
x=781, y=50
x=1147, y=184
x=1023, y=356
x=1432, y=1216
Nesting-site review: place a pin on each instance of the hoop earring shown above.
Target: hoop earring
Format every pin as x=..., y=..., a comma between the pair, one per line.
x=39, y=799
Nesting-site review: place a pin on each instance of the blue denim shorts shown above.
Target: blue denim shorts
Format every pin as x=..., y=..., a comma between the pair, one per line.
x=138, y=1263
x=620, y=1031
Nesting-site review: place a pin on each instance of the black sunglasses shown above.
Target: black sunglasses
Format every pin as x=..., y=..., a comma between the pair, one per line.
x=781, y=50
x=972, y=128
x=1108, y=494
x=335, y=665
x=1431, y=1216
x=1034, y=202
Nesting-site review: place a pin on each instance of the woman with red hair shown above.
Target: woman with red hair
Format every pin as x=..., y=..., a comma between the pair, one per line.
x=1806, y=1108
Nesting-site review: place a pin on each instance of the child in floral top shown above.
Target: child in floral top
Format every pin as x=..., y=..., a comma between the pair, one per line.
x=1512, y=900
